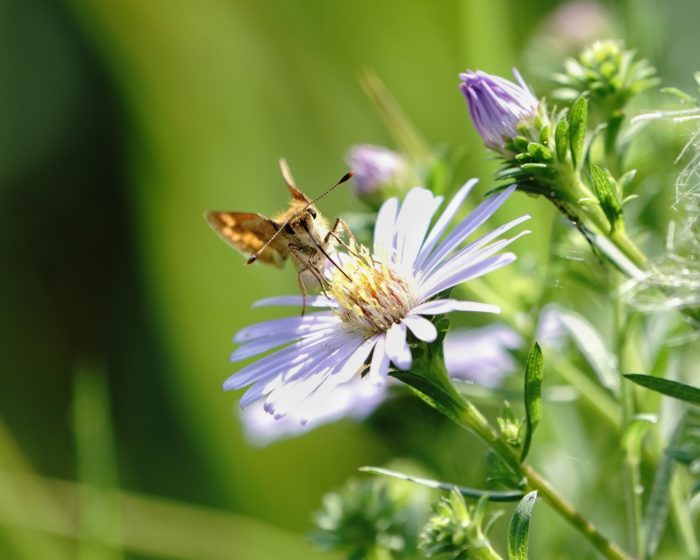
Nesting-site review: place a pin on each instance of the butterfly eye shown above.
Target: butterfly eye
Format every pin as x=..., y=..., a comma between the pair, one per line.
x=313, y=213
x=288, y=228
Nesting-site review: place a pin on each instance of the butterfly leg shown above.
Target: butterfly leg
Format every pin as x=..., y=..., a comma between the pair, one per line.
x=302, y=256
x=339, y=226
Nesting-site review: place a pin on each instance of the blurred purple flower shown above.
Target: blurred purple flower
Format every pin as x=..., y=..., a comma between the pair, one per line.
x=374, y=167
x=482, y=355
x=497, y=106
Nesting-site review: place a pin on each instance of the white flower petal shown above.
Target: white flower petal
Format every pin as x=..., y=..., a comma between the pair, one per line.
x=379, y=367
x=384, y=227
x=296, y=301
x=397, y=347
x=440, y=283
x=468, y=226
x=422, y=328
x=443, y=221
x=300, y=352
x=262, y=345
x=471, y=249
x=412, y=224
x=298, y=324
x=440, y=306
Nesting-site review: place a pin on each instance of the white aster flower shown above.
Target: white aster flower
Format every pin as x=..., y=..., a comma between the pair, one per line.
x=366, y=320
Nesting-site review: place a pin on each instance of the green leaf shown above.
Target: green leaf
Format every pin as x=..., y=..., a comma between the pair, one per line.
x=626, y=179
x=656, y=514
x=683, y=96
x=438, y=485
x=519, y=530
x=605, y=189
x=578, y=121
x=561, y=139
x=533, y=396
x=591, y=344
x=674, y=389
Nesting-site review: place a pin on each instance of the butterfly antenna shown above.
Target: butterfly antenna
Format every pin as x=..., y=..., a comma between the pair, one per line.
x=342, y=180
x=257, y=254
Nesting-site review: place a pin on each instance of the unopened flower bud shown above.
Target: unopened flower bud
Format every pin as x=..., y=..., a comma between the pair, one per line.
x=374, y=167
x=497, y=106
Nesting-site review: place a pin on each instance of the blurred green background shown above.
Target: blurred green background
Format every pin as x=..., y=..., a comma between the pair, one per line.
x=121, y=123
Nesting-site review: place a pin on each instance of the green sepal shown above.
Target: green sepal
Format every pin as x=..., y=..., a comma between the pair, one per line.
x=533, y=396
x=605, y=190
x=578, y=121
x=561, y=139
x=519, y=529
x=539, y=153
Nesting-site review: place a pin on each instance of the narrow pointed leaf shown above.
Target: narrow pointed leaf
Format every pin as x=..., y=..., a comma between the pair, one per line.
x=561, y=139
x=656, y=514
x=605, y=189
x=590, y=342
x=533, y=396
x=578, y=121
x=674, y=389
x=519, y=530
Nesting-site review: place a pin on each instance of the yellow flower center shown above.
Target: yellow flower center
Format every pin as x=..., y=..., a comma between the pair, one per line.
x=375, y=298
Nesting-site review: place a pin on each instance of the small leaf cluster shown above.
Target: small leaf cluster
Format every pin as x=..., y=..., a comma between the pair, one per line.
x=609, y=73
x=457, y=531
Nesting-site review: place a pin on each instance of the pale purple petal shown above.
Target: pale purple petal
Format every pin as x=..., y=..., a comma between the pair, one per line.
x=497, y=106
x=421, y=328
x=300, y=324
x=379, y=366
x=354, y=400
x=468, y=226
x=412, y=224
x=440, y=306
x=474, y=271
x=483, y=240
x=384, y=227
x=443, y=221
x=296, y=301
x=397, y=347
x=261, y=345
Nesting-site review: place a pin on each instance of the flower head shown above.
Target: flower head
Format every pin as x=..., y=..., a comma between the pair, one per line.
x=372, y=306
x=497, y=106
x=374, y=167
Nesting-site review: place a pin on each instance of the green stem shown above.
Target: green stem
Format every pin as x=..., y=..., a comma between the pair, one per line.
x=606, y=547
x=473, y=419
x=435, y=388
x=632, y=459
x=585, y=205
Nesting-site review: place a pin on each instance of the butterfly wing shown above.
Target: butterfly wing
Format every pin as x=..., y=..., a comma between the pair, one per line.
x=297, y=195
x=248, y=233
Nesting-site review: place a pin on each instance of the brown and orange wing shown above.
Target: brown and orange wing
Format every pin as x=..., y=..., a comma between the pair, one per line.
x=248, y=233
x=297, y=195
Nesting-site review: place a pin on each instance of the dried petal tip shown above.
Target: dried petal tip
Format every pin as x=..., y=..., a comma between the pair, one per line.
x=497, y=106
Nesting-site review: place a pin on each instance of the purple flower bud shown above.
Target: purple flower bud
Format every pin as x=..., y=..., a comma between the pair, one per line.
x=374, y=167
x=497, y=106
